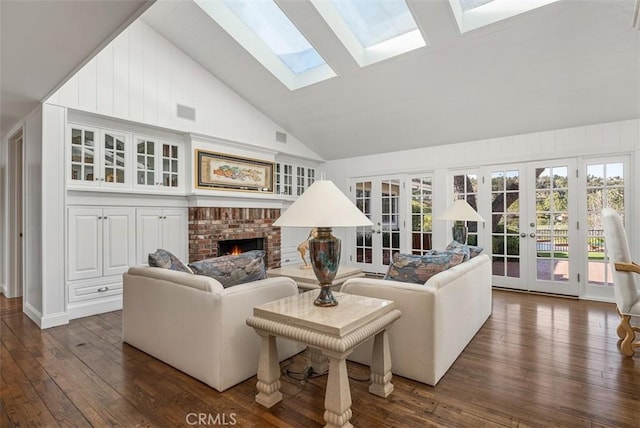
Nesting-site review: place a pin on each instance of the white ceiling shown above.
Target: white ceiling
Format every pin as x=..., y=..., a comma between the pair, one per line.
x=44, y=42
x=574, y=62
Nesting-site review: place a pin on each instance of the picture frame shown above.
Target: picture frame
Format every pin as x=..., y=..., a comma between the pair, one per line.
x=219, y=171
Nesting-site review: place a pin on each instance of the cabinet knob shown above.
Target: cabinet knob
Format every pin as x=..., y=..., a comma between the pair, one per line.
x=99, y=217
x=105, y=217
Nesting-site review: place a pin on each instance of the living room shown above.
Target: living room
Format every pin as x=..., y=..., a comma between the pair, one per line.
x=565, y=110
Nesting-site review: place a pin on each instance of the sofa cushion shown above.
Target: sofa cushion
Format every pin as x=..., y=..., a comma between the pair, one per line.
x=418, y=269
x=165, y=259
x=472, y=250
x=233, y=269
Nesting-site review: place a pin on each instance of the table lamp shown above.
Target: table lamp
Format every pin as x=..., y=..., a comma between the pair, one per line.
x=460, y=211
x=323, y=206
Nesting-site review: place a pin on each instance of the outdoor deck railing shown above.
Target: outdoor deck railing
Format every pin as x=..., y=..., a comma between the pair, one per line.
x=595, y=239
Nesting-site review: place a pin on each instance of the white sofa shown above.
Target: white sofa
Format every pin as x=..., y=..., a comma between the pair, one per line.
x=195, y=325
x=439, y=317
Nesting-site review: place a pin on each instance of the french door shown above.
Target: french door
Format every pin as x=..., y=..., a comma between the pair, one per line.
x=379, y=198
x=531, y=211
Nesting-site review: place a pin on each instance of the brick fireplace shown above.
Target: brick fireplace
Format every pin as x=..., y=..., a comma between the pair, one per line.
x=208, y=226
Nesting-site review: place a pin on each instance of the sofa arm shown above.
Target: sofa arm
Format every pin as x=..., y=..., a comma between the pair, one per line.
x=152, y=274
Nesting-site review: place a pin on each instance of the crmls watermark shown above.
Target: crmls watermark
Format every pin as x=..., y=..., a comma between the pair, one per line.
x=220, y=419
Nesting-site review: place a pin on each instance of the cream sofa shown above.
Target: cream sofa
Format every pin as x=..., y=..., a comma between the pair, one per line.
x=439, y=317
x=195, y=325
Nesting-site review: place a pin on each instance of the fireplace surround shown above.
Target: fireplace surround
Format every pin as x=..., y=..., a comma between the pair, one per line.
x=209, y=226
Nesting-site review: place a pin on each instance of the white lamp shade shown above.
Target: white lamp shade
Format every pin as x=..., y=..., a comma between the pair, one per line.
x=460, y=210
x=323, y=205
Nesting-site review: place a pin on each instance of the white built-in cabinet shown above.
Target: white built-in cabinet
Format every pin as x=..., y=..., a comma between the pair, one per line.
x=101, y=241
x=106, y=158
x=164, y=228
x=105, y=241
x=101, y=248
x=98, y=157
x=158, y=164
x=292, y=179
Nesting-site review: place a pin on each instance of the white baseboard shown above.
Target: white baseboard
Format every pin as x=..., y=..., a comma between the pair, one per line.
x=47, y=321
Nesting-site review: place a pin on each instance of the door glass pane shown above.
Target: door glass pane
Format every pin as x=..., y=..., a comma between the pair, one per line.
x=390, y=203
x=465, y=186
x=421, y=214
x=552, y=224
x=605, y=188
x=363, y=233
x=505, y=222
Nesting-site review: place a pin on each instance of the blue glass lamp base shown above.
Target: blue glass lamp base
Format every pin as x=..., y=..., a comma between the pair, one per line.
x=460, y=233
x=324, y=251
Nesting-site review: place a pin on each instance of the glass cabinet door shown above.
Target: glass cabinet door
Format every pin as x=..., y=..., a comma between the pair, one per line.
x=114, y=158
x=145, y=162
x=170, y=165
x=83, y=155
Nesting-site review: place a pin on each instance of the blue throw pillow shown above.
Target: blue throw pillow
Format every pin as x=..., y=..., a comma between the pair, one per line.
x=233, y=269
x=164, y=259
x=418, y=269
x=472, y=250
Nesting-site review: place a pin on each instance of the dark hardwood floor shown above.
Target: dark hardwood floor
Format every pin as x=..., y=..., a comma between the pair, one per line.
x=538, y=361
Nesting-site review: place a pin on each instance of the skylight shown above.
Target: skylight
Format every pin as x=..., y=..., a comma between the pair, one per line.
x=266, y=32
x=472, y=14
x=372, y=30
x=472, y=4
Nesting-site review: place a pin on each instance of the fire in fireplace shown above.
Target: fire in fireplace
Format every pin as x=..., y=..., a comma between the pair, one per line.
x=237, y=246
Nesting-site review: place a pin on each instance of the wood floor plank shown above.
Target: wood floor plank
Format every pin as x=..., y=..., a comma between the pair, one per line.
x=539, y=361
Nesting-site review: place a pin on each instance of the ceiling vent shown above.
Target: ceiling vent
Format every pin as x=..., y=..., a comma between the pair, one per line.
x=281, y=137
x=185, y=112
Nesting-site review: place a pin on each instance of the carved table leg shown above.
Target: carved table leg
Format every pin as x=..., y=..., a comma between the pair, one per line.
x=337, y=400
x=381, y=366
x=268, y=372
x=319, y=363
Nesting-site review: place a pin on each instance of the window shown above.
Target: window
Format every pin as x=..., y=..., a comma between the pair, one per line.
x=263, y=29
x=605, y=188
x=372, y=31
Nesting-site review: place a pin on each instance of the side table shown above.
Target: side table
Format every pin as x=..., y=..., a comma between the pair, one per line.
x=334, y=332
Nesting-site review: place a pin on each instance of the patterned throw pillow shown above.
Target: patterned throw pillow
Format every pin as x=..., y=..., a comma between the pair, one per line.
x=233, y=270
x=418, y=269
x=164, y=259
x=471, y=249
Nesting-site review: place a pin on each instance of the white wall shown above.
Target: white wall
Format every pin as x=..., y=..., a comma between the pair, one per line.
x=584, y=141
x=33, y=285
x=53, y=217
x=4, y=218
x=141, y=77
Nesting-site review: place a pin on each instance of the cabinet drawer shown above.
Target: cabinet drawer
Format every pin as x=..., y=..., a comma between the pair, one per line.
x=81, y=292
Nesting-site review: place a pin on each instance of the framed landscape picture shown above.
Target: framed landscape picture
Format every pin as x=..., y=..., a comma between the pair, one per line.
x=227, y=172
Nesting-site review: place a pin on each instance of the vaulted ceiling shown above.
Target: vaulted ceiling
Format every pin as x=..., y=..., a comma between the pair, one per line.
x=45, y=42
x=571, y=63
x=574, y=62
